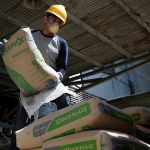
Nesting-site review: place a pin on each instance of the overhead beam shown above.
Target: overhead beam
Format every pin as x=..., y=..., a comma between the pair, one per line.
x=143, y=57
x=94, y=32
x=133, y=15
x=84, y=57
x=5, y=125
x=100, y=81
x=98, y=35
x=8, y=35
x=13, y=20
x=83, y=81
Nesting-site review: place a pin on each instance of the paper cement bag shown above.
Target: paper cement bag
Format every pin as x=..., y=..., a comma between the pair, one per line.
x=87, y=115
x=96, y=140
x=141, y=133
x=25, y=64
x=141, y=115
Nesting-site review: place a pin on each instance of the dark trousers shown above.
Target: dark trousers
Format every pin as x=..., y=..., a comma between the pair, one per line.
x=21, y=115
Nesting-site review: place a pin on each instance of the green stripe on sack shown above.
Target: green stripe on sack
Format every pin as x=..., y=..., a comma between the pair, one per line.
x=62, y=134
x=106, y=109
x=19, y=80
x=70, y=116
x=85, y=145
x=122, y=116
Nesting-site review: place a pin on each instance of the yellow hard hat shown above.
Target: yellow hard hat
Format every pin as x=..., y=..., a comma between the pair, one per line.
x=59, y=11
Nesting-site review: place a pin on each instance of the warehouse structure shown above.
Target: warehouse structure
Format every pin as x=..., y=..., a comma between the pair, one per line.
x=109, y=48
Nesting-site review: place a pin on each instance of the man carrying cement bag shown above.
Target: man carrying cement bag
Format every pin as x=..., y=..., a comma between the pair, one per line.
x=54, y=50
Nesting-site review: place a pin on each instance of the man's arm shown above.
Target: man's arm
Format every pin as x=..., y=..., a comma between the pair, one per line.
x=61, y=62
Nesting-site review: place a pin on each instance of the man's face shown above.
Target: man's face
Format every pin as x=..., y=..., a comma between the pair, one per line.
x=55, y=20
x=52, y=20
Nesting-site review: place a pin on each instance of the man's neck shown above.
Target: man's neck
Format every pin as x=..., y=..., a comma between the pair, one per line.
x=47, y=32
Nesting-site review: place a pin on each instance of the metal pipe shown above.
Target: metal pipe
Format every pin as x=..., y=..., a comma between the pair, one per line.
x=83, y=81
x=107, y=68
x=5, y=125
x=8, y=141
x=112, y=76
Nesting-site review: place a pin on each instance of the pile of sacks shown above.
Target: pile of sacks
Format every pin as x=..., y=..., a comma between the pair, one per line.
x=141, y=116
x=89, y=125
x=92, y=124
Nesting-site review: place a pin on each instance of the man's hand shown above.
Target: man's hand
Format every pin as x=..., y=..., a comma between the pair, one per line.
x=2, y=48
x=52, y=84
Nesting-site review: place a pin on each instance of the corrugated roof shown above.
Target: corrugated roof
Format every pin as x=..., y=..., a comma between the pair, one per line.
x=104, y=16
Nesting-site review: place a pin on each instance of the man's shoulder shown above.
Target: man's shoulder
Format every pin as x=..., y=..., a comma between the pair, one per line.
x=35, y=31
x=61, y=39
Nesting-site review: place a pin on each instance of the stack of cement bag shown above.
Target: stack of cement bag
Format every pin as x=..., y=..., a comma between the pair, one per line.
x=141, y=116
x=66, y=129
x=70, y=125
x=96, y=140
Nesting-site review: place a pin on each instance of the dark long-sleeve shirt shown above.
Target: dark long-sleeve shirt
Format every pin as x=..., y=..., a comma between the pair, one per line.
x=54, y=50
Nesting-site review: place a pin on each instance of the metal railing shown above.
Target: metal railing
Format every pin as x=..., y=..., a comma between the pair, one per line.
x=82, y=96
x=4, y=140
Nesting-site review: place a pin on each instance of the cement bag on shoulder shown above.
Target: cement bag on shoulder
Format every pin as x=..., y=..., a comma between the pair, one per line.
x=87, y=115
x=25, y=64
x=96, y=140
x=141, y=133
x=141, y=115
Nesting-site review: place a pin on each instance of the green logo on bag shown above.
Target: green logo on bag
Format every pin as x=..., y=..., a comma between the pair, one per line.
x=17, y=42
x=39, y=68
x=136, y=116
x=86, y=145
x=25, y=50
x=70, y=116
x=19, y=80
x=86, y=128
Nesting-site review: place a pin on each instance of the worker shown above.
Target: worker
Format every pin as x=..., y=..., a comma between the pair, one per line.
x=54, y=50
